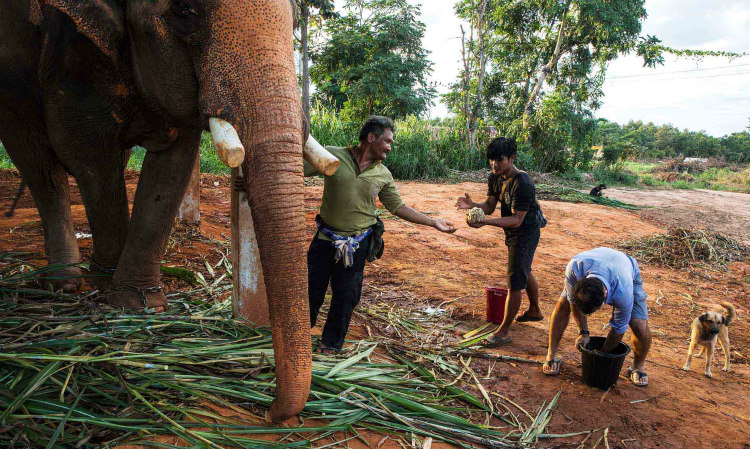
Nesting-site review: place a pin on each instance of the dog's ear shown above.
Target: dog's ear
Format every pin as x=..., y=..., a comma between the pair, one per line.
x=723, y=320
x=703, y=318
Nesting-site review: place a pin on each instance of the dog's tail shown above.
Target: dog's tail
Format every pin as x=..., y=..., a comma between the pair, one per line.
x=731, y=313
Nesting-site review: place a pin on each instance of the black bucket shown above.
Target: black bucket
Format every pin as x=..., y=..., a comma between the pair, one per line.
x=601, y=369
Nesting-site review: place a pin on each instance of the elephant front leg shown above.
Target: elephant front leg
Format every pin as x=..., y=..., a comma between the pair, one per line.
x=103, y=190
x=48, y=184
x=164, y=179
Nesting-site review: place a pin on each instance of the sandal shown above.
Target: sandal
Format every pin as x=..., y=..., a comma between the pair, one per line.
x=554, y=366
x=327, y=350
x=637, y=378
x=525, y=317
x=495, y=341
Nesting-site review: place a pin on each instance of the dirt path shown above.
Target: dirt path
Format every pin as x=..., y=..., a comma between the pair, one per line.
x=678, y=409
x=725, y=212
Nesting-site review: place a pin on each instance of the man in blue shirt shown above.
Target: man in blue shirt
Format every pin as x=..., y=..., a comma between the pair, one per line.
x=603, y=276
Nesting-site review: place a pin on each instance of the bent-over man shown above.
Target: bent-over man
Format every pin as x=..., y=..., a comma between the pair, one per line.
x=592, y=278
x=348, y=227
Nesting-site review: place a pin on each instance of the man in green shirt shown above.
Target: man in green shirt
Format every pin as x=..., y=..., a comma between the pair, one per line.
x=347, y=215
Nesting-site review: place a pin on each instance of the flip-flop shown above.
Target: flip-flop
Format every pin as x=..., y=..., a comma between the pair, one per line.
x=495, y=341
x=636, y=377
x=524, y=317
x=557, y=361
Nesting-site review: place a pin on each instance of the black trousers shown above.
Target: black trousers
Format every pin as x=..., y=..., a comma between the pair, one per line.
x=346, y=285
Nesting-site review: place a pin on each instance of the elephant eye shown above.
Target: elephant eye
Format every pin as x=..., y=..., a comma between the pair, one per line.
x=183, y=8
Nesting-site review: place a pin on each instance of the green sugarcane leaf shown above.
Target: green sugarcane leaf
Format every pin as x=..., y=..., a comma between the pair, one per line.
x=35, y=383
x=350, y=361
x=61, y=426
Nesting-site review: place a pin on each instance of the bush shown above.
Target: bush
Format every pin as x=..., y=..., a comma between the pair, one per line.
x=615, y=174
x=422, y=149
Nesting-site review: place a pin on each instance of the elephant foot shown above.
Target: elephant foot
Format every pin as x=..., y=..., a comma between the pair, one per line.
x=148, y=299
x=67, y=280
x=100, y=277
x=281, y=412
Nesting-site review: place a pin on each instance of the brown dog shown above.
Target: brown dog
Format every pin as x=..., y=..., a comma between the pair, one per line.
x=706, y=329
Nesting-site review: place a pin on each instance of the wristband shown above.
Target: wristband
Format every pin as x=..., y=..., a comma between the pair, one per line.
x=583, y=332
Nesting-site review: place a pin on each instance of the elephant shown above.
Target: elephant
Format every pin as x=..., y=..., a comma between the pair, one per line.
x=83, y=81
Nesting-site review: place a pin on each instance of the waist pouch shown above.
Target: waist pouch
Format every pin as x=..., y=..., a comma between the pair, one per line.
x=542, y=220
x=377, y=245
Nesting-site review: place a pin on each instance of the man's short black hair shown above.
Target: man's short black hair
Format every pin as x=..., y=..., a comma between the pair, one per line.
x=588, y=295
x=376, y=124
x=499, y=147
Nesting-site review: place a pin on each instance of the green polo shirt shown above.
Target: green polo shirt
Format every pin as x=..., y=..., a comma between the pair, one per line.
x=349, y=195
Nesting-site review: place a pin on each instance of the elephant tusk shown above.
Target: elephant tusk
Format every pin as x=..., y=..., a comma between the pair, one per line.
x=319, y=157
x=227, y=142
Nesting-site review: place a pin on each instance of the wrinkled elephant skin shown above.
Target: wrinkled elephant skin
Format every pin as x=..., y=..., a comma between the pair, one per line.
x=81, y=82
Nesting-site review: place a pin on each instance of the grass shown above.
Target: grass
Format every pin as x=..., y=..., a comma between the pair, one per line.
x=210, y=162
x=730, y=179
x=425, y=151
x=638, y=174
x=74, y=373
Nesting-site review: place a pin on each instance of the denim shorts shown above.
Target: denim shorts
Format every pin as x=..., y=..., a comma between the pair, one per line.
x=639, y=295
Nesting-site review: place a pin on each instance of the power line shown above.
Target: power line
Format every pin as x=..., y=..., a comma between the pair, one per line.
x=683, y=78
x=679, y=71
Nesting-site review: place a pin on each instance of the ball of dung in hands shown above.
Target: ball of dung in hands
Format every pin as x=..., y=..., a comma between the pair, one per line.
x=474, y=216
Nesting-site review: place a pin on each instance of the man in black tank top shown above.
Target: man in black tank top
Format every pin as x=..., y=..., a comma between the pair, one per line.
x=521, y=219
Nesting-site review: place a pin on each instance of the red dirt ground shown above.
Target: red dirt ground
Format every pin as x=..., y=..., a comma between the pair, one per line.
x=678, y=410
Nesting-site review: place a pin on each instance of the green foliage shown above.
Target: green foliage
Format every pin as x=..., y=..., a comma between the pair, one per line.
x=373, y=61
x=422, y=149
x=210, y=162
x=615, y=174
x=523, y=43
x=5, y=162
x=636, y=140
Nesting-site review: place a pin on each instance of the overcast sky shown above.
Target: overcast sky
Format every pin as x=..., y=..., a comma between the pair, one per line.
x=712, y=95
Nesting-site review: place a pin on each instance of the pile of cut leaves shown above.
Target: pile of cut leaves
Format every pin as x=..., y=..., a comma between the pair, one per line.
x=554, y=192
x=682, y=248
x=77, y=374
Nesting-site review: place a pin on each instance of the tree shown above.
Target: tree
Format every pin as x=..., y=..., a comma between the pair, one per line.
x=736, y=147
x=373, y=61
x=311, y=12
x=544, y=55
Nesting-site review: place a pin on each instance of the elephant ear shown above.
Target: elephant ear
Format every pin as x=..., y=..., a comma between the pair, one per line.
x=35, y=12
x=102, y=21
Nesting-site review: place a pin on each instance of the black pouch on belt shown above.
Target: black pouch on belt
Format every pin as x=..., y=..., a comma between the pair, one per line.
x=377, y=245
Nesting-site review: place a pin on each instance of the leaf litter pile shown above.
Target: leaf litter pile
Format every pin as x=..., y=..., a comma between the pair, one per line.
x=682, y=248
x=554, y=192
x=77, y=374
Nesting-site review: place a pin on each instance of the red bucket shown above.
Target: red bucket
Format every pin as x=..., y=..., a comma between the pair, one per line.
x=496, y=304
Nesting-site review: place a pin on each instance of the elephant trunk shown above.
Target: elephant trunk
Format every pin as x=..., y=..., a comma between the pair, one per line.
x=246, y=77
x=276, y=195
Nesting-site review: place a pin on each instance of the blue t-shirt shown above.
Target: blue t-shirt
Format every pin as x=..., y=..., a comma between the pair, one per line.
x=616, y=270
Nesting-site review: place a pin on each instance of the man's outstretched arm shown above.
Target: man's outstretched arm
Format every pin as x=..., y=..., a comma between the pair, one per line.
x=409, y=214
x=488, y=206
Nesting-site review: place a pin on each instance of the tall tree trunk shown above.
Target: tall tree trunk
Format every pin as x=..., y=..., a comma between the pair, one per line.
x=482, y=61
x=304, y=20
x=465, y=57
x=542, y=75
